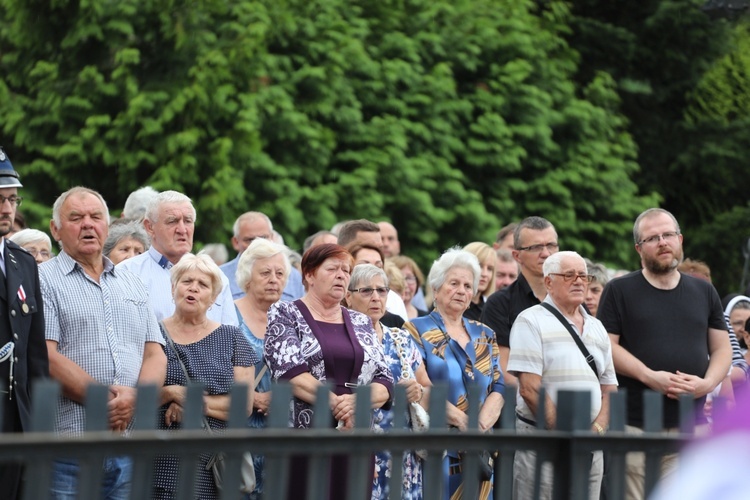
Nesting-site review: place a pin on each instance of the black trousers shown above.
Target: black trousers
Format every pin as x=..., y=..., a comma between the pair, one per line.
x=10, y=473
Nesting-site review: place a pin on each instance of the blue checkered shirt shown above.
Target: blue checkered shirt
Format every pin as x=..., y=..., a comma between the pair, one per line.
x=153, y=269
x=102, y=327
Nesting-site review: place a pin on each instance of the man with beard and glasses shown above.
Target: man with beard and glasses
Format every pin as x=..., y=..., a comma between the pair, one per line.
x=667, y=334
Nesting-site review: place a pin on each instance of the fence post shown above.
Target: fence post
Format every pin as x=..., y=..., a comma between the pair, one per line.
x=503, y=487
x=44, y=398
x=614, y=462
x=237, y=420
x=433, y=481
x=653, y=410
x=277, y=465
x=90, y=471
x=146, y=414
x=359, y=481
x=573, y=464
x=319, y=465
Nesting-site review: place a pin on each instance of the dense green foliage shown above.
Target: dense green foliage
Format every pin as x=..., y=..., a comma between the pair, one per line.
x=682, y=77
x=451, y=117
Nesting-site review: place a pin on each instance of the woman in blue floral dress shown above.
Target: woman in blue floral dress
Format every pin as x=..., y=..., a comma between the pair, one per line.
x=262, y=272
x=460, y=352
x=367, y=293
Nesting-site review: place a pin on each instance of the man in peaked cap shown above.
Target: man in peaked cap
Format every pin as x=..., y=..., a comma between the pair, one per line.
x=23, y=350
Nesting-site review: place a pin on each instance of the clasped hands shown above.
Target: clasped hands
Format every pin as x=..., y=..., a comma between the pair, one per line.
x=674, y=385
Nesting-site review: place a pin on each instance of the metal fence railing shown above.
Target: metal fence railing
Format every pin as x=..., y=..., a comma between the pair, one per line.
x=568, y=447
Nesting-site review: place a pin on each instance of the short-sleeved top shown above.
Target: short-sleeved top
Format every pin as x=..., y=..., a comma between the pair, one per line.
x=504, y=306
x=102, y=327
x=211, y=360
x=446, y=361
x=153, y=269
x=665, y=329
x=540, y=344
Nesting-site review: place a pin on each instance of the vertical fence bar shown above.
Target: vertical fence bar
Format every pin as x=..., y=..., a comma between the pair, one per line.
x=44, y=398
x=360, y=467
x=542, y=456
x=653, y=410
x=687, y=412
x=503, y=487
x=319, y=465
x=470, y=459
x=614, y=461
x=192, y=419
x=400, y=421
x=434, y=483
x=277, y=465
x=90, y=472
x=146, y=413
x=237, y=420
x=574, y=415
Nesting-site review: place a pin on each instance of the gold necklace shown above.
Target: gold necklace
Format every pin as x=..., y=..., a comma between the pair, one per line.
x=336, y=315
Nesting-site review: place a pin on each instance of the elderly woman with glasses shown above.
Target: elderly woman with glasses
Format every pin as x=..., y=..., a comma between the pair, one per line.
x=367, y=293
x=460, y=352
x=314, y=340
x=35, y=242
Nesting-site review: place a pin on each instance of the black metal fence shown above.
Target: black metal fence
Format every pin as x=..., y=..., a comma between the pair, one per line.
x=568, y=447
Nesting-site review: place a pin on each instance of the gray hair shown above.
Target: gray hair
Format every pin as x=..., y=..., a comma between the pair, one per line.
x=119, y=232
x=742, y=304
x=504, y=255
x=217, y=251
x=454, y=257
x=249, y=217
x=598, y=271
x=260, y=248
x=152, y=213
x=554, y=265
x=650, y=213
x=138, y=202
x=534, y=223
x=364, y=273
x=311, y=239
x=78, y=191
x=28, y=236
x=201, y=263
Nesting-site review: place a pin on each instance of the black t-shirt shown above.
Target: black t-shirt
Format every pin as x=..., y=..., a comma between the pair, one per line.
x=665, y=329
x=504, y=306
x=392, y=320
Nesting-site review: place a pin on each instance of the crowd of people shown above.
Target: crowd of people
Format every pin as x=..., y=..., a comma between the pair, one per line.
x=126, y=302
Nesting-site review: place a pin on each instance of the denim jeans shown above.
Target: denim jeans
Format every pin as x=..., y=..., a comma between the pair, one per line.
x=115, y=483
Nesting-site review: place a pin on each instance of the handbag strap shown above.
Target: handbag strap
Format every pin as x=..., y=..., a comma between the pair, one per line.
x=576, y=337
x=259, y=376
x=182, y=365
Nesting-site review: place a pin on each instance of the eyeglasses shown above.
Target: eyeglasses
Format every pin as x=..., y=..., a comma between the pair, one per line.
x=568, y=277
x=410, y=279
x=551, y=247
x=653, y=240
x=14, y=200
x=366, y=291
x=34, y=252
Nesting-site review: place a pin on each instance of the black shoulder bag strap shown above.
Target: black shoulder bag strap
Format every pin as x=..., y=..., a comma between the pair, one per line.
x=579, y=342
